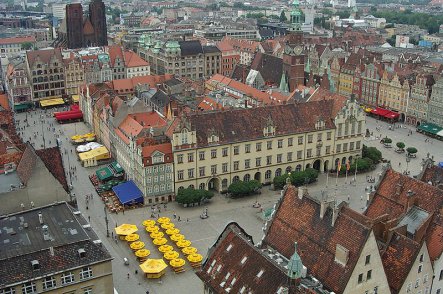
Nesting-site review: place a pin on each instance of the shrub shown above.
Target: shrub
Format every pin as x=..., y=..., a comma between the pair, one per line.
x=191, y=195
x=400, y=145
x=240, y=188
x=387, y=140
x=371, y=152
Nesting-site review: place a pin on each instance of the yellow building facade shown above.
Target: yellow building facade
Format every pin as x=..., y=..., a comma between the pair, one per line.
x=213, y=150
x=393, y=93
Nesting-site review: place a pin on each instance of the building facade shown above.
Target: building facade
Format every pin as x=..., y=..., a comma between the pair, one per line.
x=77, y=263
x=435, y=108
x=75, y=75
x=417, y=108
x=370, y=83
x=394, y=93
x=18, y=85
x=207, y=157
x=10, y=47
x=47, y=73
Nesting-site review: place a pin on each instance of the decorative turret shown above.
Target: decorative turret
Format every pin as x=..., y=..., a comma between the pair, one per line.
x=295, y=266
x=284, y=88
x=296, y=14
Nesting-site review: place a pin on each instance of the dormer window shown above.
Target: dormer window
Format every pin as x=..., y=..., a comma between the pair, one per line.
x=184, y=136
x=269, y=131
x=320, y=124
x=213, y=139
x=158, y=158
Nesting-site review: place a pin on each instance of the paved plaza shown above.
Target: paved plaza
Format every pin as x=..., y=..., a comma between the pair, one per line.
x=221, y=210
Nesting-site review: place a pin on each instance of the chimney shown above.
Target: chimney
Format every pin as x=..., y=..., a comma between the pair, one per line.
x=410, y=198
x=335, y=212
x=51, y=251
x=40, y=218
x=398, y=188
x=323, y=208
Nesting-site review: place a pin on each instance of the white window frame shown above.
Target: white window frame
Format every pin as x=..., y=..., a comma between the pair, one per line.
x=86, y=273
x=49, y=282
x=67, y=278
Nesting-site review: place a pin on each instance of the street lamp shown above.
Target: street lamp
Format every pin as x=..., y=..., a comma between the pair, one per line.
x=106, y=221
x=356, y=166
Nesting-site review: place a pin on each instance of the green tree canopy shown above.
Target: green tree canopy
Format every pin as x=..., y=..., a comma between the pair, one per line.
x=411, y=150
x=372, y=153
x=400, y=145
x=191, y=195
x=283, y=17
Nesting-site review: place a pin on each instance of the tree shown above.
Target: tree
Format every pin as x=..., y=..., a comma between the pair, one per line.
x=387, y=140
x=298, y=179
x=191, y=195
x=372, y=153
x=27, y=46
x=411, y=150
x=283, y=17
x=240, y=188
x=400, y=145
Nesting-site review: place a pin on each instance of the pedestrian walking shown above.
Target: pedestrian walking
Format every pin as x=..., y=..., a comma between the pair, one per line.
x=89, y=218
x=179, y=218
x=187, y=220
x=136, y=272
x=349, y=197
x=174, y=215
x=128, y=275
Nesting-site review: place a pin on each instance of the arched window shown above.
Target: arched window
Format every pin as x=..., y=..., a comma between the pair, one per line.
x=288, y=169
x=235, y=179
x=247, y=178
x=278, y=172
x=191, y=186
x=201, y=186
x=268, y=174
x=298, y=167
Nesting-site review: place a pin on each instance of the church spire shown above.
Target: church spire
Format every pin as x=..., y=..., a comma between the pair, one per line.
x=284, y=88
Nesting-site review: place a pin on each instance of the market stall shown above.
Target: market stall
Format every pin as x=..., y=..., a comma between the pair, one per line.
x=128, y=193
x=154, y=268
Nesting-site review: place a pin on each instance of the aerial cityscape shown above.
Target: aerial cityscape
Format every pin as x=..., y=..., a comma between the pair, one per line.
x=287, y=147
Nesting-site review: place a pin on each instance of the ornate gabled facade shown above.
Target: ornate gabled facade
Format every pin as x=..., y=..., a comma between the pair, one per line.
x=417, y=109
x=370, y=83
x=435, y=109
x=394, y=93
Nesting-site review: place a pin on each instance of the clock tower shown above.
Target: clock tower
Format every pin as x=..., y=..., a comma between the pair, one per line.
x=293, y=56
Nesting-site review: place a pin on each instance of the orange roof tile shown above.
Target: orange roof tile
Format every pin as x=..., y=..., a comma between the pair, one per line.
x=133, y=60
x=165, y=148
x=4, y=101
x=17, y=40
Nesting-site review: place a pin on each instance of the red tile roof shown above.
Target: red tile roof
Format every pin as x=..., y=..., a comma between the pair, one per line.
x=114, y=52
x=222, y=263
x=299, y=220
x=128, y=85
x=398, y=259
x=287, y=119
x=323, y=94
x=52, y=158
x=165, y=148
x=133, y=124
x=391, y=196
x=4, y=102
x=133, y=60
x=45, y=56
x=17, y=40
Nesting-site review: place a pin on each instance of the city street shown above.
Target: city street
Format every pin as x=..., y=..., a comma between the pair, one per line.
x=221, y=210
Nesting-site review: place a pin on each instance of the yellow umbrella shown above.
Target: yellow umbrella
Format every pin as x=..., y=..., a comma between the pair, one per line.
x=148, y=222
x=167, y=226
x=165, y=248
x=152, y=229
x=177, y=237
x=189, y=250
x=171, y=255
x=126, y=229
x=178, y=262
x=160, y=241
x=137, y=245
x=154, y=268
x=132, y=237
x=163, y=220
x=142, y=253
x=195, y=257
x=183, y=243
x=155, y=235
x=172, y=231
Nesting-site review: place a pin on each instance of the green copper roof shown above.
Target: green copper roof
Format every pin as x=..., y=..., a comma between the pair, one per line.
x=295, y=266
